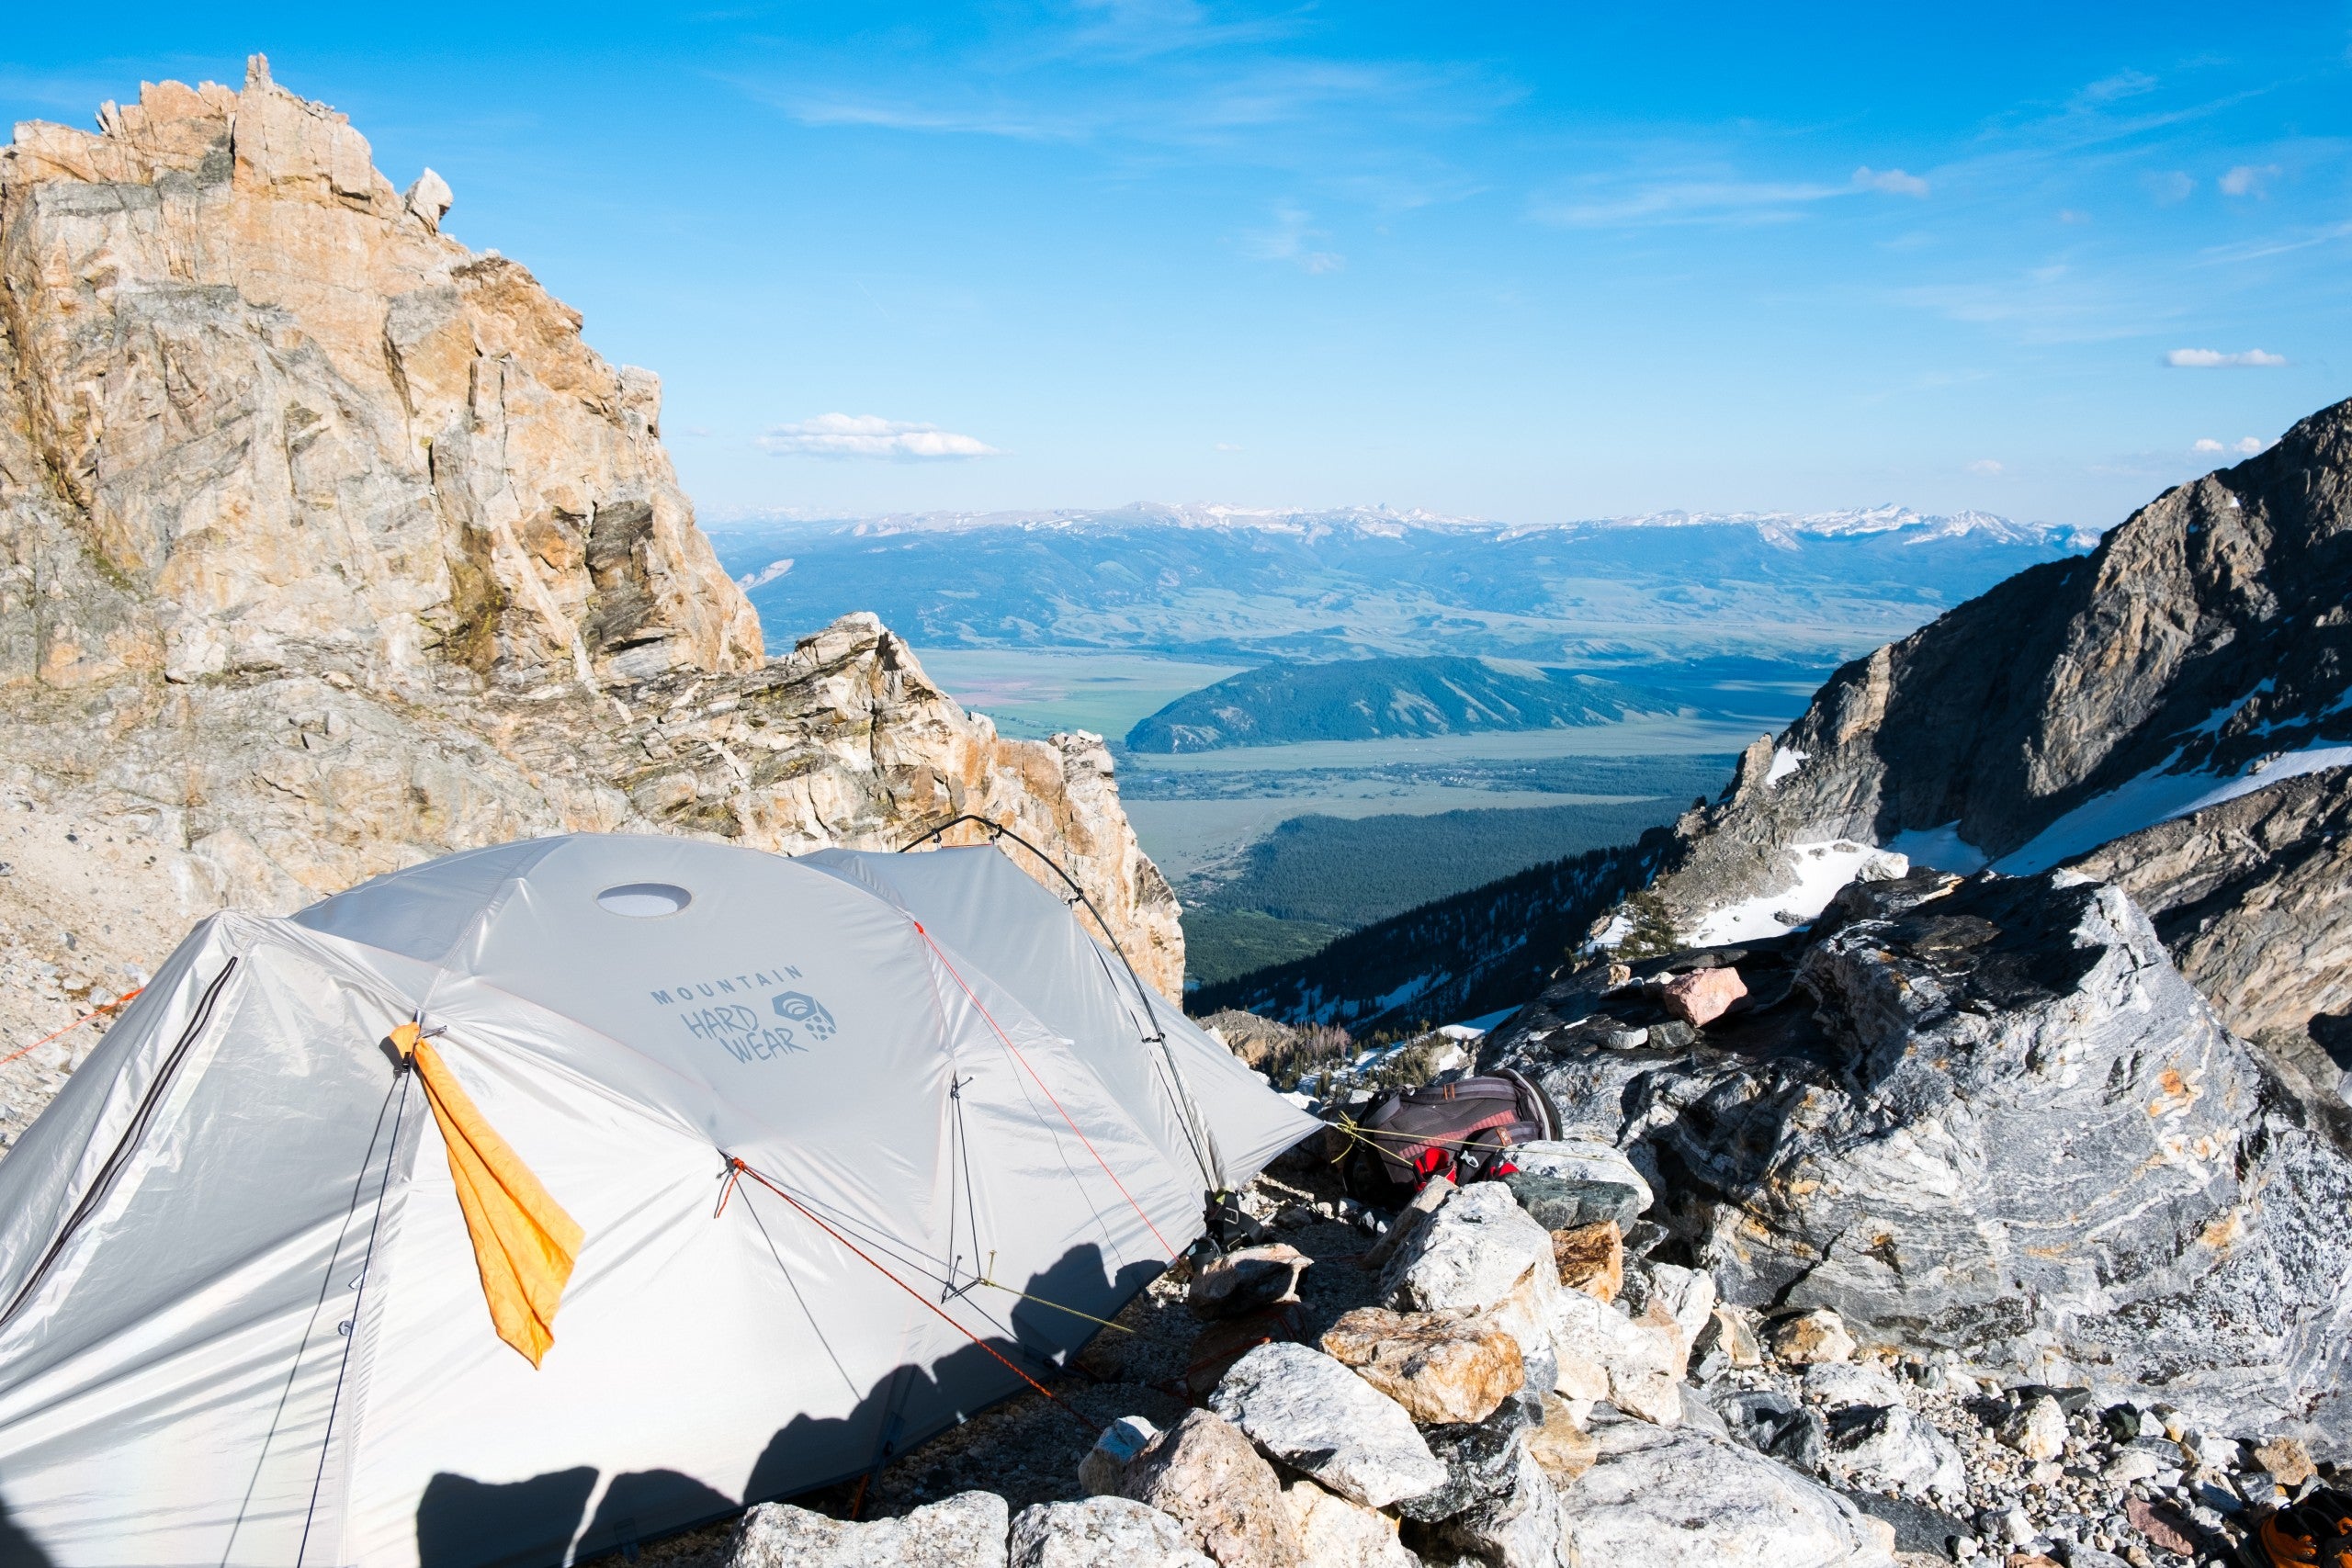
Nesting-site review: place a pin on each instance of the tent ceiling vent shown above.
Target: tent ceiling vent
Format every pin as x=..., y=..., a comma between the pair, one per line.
x=645, y=900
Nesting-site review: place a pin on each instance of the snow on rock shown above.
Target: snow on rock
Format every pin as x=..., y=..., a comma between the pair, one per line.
x=1820, y=870
x=1784, y=761
x=2156, y=795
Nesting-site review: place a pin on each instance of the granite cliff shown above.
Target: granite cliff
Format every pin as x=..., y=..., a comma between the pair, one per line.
x=328, y=545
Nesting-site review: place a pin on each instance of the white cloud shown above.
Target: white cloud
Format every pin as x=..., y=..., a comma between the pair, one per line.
x=2212, y=358
x=2207, y=444
x=2250, y=444
x=2249, y=179
x=1227, y=446
x=2244, y=447
x=870, y=435
x=1893, y=182
x=1984, y=466
x=2171, y=186
x=1291, y=239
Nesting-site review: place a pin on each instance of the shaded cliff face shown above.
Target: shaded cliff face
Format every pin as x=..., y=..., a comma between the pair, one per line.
x=327, y=546
x=2197, y=657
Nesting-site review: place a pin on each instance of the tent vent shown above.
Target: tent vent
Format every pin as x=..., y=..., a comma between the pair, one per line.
x=645, y=900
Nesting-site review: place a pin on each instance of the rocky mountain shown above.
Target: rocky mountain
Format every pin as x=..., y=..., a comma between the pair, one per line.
x=1369, y=699
x=2135, y=714
x=328, y=545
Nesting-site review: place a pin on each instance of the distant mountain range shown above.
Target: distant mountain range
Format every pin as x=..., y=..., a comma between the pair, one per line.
x=1257, y=584
x=1374, y=699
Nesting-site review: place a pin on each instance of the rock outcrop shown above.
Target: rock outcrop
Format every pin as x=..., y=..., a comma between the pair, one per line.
x=2197, y=656
x=327, y=544
x=1987, y=1117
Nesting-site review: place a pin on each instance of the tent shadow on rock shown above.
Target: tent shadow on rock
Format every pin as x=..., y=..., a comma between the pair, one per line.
x=241, y=1215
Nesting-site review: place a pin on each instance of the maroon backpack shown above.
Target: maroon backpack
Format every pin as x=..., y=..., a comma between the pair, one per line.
x=1462, y=1129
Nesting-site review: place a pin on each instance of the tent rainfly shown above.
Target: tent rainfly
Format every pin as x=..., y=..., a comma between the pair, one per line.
x=547, y=1197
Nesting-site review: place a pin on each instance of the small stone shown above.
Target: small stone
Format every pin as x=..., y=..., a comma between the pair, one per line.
x=2129, y=1465
x=2286, y=1461
x=2037, y=1429
x=1101, y=1532
x=1810, y=1338
x=1442, y=1367
x=2165, y=1528
x=964, y=1531
x=1314, y=1416
x=1105, y=1467
x=1729, y=1332
x=1204, y=1474
x=1591, y=1258
x=1702, y=996
x=1245, y=1281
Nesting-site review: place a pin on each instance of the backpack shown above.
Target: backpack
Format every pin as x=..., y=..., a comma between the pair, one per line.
x=1460, y=1130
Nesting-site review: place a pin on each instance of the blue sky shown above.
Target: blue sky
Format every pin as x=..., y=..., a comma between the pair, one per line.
x=1532, y=263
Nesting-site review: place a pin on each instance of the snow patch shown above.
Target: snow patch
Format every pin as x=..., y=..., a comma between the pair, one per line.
x=2157, y=797
x=1785, y=761
x=1619, y=928
x=1941, y=848
x=1476, y=1028
x=1820, y=871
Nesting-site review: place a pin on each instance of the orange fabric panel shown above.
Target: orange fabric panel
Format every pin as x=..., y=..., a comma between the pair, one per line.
x=525, y=1244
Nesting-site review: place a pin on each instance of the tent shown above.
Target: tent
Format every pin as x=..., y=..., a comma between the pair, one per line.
x=852, y=1145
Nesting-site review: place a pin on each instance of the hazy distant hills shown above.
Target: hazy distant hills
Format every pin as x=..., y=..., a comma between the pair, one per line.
x=1255, y=585
x=1376, y=699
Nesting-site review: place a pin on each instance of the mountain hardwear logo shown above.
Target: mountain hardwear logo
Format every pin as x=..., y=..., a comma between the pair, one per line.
x=799, y=1006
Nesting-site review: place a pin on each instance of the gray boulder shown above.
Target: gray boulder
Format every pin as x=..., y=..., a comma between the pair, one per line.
x=1521, y=1525
x=1205, y=1475
x=1672, y=1497
x=1101, y=1532
x=1482, y=1458
x=1482, y=1252
x=964, y=1531
x=1314, y=1414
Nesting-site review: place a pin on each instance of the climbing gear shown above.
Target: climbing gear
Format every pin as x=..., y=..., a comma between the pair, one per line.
x=2314, y=1533
x=1460, y=1130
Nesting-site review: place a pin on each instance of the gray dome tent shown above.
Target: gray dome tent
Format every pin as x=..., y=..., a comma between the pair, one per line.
x=842, y=1136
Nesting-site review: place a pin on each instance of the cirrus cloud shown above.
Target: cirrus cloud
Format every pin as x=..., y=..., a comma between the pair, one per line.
x=1893, y=182
x=871, y=435
x=2214, y=359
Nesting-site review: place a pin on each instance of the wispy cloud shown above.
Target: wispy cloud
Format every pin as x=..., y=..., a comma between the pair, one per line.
x=2249, y=179
x=1985, y=465
x=2214, y=359
x=1708, y=196
x=870, y=435
x=1292, y=238
x=1893, y=182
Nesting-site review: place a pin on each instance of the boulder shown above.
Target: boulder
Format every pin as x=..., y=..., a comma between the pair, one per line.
x=1889, y=1448
x=1338, y=1532
x=1442, y=1367
x=1481, y=1459
x=1702, y=996
x=1671, y=1296
x=1101, y=1532
x=1103, y=1470
x=1672, y=1497
x=1204, y=1474
x=1520, y=1525
x=1245, y=1281
x=1637, y=1367
x=1480, y=1251
x=1591, y=1258
x=1582, y=1158
x=1559, y=1204
x=1806, y=1339
x=964, y=1531
x=1314, y=1416
x=2286, y=1461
